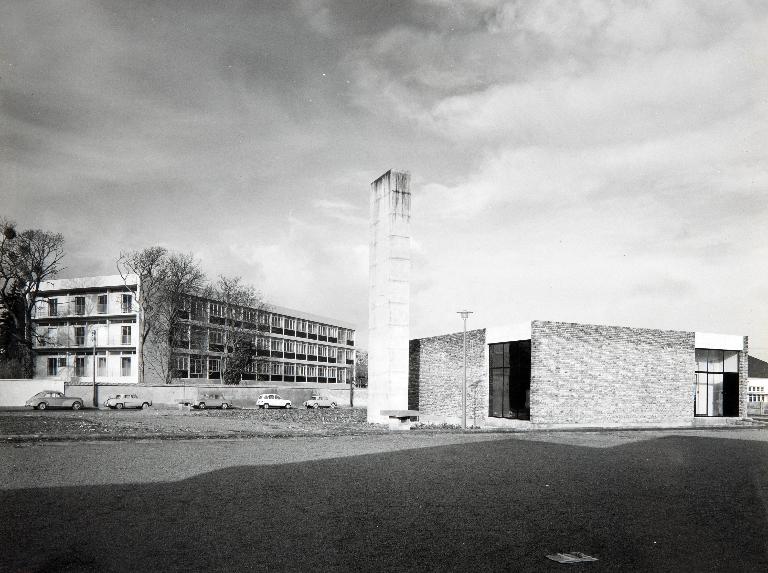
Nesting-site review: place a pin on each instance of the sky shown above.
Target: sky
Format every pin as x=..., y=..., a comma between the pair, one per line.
x=589, y=161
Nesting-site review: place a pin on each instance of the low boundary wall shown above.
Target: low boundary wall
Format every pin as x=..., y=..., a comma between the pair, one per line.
x=15, y=392
x=241, y=396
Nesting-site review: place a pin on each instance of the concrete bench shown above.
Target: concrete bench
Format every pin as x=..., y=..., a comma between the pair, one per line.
x=401, y=419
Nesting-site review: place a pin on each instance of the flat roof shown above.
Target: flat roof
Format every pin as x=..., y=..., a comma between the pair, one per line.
x=104, y=281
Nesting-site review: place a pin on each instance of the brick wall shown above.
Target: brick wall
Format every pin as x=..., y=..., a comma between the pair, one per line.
x=436, y=374
x=607, y=375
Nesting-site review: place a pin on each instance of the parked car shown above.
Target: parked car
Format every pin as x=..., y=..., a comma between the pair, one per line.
x=53, y=399
x=267, y=401
x=319, y=402
x=127, y=401
x=211, y=401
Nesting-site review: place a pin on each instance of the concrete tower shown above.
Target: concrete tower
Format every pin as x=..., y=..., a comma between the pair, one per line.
x=389, y=294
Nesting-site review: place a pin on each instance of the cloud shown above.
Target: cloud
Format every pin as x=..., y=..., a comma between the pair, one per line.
x=583, y=160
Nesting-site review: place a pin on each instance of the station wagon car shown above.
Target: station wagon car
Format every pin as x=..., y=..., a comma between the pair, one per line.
x=267, y=401
x=211, y=401
x=319, y=402
x=53, y=399
x=127, y=401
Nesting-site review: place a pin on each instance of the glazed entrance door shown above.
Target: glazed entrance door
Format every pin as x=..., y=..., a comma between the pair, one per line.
x=731, y=394
x=717, y=382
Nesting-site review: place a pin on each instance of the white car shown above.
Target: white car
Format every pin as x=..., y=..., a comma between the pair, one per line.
x=267, y=401
x=128, y=401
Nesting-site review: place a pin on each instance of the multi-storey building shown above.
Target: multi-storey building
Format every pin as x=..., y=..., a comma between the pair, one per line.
x=292, y=346
x=79, y=320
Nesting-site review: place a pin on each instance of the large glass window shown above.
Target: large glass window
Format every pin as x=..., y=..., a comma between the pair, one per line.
x=79, y=335
x=510, y=380
x=717, y=382
x=79, y=365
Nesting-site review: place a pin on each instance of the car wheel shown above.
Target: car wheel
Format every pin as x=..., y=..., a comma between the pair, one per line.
x=119, y=405
x=288, y=406
x=315, y=405
x=76, y=405
x=266, y=406
x=333, y=404
x=42, y=406
x=144, y=406
x=201, y=405
x=224, y=406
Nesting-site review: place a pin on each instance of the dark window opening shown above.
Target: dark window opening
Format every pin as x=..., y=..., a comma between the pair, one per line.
x=510, y=380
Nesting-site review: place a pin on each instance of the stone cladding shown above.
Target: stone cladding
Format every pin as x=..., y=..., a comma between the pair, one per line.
x=609, y=375
x=436, y=377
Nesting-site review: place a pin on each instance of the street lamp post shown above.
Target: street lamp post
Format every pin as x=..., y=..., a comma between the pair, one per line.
x=464, y=315
x=93, y=336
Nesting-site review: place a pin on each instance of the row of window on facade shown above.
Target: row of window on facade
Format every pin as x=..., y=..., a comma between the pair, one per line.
x=56, y=363
x=294, y=326
x=757, y=394
x=194, y=367
x=54, y=306
x=52, y=338
x=195, y=339
x=198, y=309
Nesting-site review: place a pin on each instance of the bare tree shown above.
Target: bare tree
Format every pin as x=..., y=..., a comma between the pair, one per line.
x=238, y=306
x=167, y=281
x=359, y=378
x=148, y=265
x=27, y=260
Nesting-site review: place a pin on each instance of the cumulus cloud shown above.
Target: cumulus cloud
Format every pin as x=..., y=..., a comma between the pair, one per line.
x=588, y=160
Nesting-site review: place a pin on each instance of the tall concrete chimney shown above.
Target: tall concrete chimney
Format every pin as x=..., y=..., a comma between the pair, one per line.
x=389, y=294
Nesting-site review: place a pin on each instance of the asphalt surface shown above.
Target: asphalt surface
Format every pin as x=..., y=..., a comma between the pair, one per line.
x=638, y=501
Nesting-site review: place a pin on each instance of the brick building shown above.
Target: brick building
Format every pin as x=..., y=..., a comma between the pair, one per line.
x=556, y=373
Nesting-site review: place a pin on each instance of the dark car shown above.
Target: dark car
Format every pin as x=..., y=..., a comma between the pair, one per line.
x=53, y=399
x=211, y=401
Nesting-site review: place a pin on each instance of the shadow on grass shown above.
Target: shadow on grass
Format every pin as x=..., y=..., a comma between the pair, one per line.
x=673, y=504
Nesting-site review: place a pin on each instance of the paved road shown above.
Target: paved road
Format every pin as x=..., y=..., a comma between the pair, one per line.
x=639, y=501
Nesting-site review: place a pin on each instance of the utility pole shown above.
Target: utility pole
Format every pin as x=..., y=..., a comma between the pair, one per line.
x=464, y=315
x=93, y=336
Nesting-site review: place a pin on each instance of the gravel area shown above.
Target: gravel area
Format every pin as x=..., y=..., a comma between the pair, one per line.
x=157, y=423
x=178, y=424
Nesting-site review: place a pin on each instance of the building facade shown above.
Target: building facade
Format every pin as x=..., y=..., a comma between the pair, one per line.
x=555, y=373
x=94, y=322
x=74, y=317
x=758, y=382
